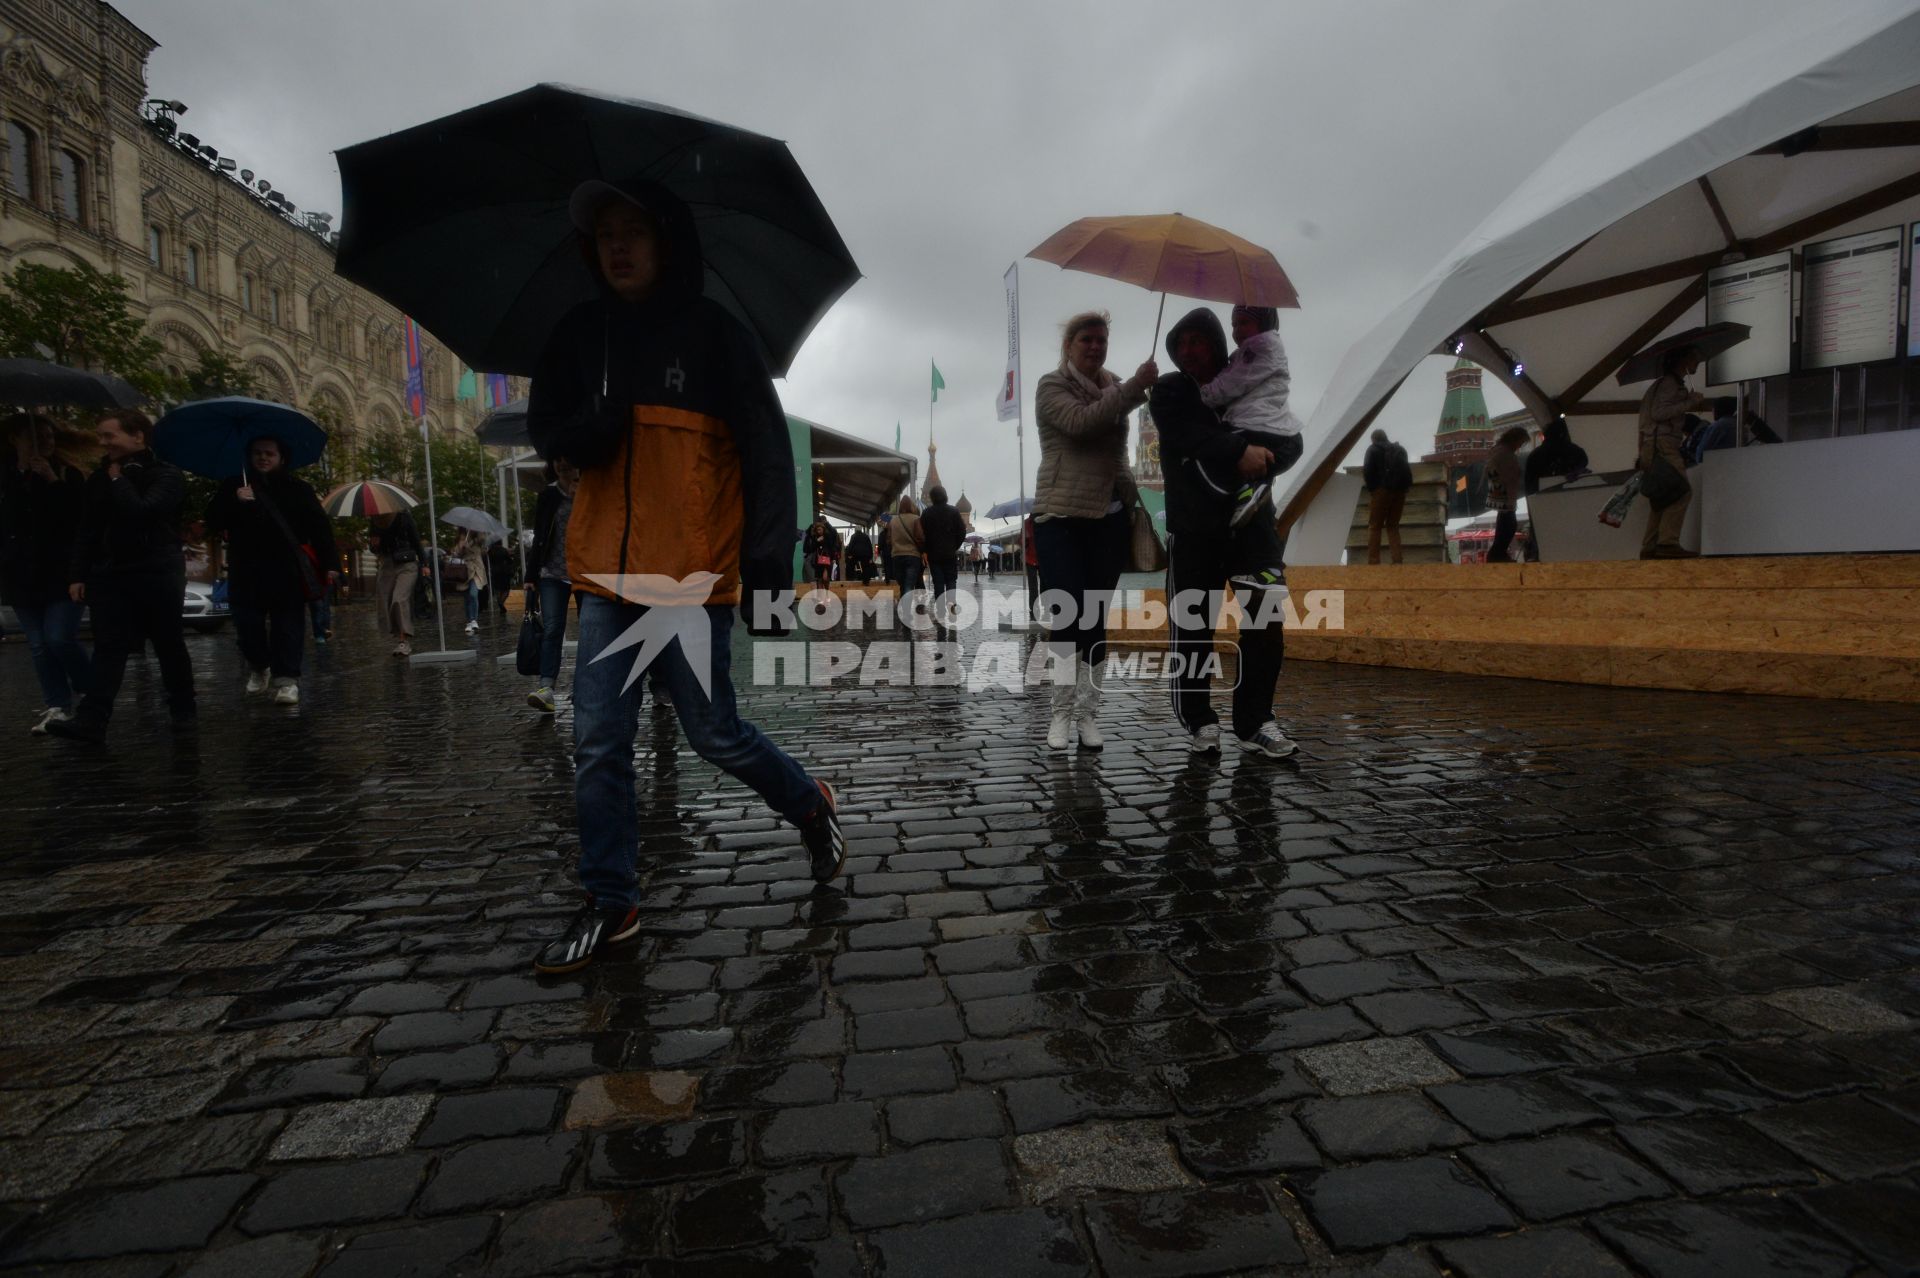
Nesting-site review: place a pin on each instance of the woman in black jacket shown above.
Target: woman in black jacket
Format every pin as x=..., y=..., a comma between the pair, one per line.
x=280, y=552
x=42, y=490
x=127, y=568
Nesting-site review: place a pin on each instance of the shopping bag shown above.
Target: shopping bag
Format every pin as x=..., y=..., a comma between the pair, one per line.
x=1614, y=513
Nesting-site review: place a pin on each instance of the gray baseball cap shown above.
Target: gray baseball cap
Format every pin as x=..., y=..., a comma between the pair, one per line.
x=587, y=199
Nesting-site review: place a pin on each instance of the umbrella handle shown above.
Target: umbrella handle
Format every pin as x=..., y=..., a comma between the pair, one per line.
x=1156, y=326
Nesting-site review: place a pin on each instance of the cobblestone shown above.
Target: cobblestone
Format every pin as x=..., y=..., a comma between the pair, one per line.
x=1483, y=979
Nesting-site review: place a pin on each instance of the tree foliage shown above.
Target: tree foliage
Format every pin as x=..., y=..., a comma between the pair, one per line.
x=77, y=316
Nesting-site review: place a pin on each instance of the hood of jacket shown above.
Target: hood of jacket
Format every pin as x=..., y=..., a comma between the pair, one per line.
x=1200, y=319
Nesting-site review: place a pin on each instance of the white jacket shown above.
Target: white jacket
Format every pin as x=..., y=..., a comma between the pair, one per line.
x=1253, y=387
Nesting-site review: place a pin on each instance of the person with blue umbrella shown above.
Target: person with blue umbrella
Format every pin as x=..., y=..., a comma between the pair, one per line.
x=280, y=549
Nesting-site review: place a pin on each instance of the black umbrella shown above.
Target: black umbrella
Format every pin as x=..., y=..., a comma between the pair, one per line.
x=36, y=383
x=505, y=426
x=462, y=222
x=1706, y=341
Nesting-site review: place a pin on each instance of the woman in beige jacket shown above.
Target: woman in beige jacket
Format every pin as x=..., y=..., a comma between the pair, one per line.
x=1081, y=502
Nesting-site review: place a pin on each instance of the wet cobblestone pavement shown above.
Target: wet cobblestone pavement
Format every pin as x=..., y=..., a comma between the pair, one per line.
x=1497, y=979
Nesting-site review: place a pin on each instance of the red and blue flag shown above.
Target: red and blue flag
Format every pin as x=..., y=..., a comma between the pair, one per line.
x=416, y=379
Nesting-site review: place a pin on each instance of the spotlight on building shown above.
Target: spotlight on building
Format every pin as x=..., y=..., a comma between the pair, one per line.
x=1459, y=346
x=190, y=142
x=264, y=187
x=210, y=153
x=246, y=175
x=228, y=166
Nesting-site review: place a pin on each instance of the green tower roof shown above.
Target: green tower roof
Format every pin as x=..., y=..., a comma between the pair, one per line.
x=1465, y=407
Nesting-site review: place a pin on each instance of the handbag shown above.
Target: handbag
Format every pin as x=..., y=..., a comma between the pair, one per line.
x=1145, y=553
x=533, y=628
x=1662, y=484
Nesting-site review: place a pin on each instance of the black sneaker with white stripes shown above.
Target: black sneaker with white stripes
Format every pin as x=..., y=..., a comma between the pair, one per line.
x=592, y=930
x=820, y=830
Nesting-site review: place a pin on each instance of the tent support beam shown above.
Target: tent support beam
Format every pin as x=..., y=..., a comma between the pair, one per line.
x=1719, y=213
x=1632, y=342
x=1848, y=137
x=1649, y=277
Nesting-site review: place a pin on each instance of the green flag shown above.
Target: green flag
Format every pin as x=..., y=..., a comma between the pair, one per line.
x=896, y=437
x=468, y=389
x=939, y=383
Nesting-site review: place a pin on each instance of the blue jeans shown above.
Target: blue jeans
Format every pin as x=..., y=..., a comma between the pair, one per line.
x=555, y=594
x=321, y=610
x=473, y=602
x=606, y=712
x=58, y=658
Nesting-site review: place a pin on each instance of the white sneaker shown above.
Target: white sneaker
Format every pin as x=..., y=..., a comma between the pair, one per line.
x=473, y=627
x=402, y=649
x=52, y=714
x=1206, y=739
x=1269, y=741
x=1060, y=727
x=286, y=693
x=257, y=682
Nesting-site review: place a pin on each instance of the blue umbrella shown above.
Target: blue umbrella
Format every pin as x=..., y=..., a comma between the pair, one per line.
x=211, y=437
x=1011, y=507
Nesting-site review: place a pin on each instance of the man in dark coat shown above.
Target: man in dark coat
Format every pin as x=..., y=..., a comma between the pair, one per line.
x=945, y=532
x=128, y=569
x=41, y=499
x=860, y=556
x=1204, y=551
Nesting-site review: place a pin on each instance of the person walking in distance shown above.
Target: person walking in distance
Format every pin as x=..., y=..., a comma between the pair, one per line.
x=1663, y=427
x=1081, y=500
x=1503, y=490
x=904, y=554
x=43, y=486
x=1388, y=476
x=943, y=533
x=553, y=589
x=860, y=557
x=127, y=567
x=279, y=546
x=395, y=542
x=470, y=548
x=686, y=485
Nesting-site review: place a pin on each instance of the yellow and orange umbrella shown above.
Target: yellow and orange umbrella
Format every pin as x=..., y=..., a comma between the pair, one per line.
x=1172, y=253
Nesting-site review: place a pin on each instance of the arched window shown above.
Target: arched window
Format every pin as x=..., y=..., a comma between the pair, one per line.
x=68, y=186
x=19, y=160
x=246, y=293
x=156, y=248
x=273, y=305
x=193, y=265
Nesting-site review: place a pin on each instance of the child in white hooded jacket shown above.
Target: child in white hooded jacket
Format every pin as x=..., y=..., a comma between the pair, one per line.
x=1250, y=394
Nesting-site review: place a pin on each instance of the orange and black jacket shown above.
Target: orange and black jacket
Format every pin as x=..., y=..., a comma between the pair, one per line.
x=668, y=409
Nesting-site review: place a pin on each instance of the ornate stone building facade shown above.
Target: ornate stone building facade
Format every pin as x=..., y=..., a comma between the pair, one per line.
x=92, y=172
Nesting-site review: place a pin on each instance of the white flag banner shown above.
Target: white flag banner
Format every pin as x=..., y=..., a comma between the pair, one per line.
x=1009, y=403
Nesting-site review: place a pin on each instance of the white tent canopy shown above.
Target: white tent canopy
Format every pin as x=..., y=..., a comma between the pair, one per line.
x=1605, y=247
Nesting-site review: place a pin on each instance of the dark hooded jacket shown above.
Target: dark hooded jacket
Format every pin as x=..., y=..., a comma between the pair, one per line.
x=1191, y=433
x=1556, y=454
x=668, y=409
x=261, y=566
x=38, y=520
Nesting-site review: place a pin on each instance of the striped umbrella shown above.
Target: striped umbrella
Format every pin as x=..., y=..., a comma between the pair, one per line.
x=368, y=497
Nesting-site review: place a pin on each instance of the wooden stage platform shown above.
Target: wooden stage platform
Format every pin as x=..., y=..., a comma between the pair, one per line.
x=1844, y=626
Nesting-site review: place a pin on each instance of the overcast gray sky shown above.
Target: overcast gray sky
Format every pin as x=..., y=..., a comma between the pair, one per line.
x=1359, y=141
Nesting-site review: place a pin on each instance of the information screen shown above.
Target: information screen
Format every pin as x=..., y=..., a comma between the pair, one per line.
x=1913, y=293
x=1759, y=294
x=1850, y=300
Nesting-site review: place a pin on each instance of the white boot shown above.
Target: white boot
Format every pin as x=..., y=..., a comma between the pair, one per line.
x=257, y=681
x=1086, y=706
x=1062, y=724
